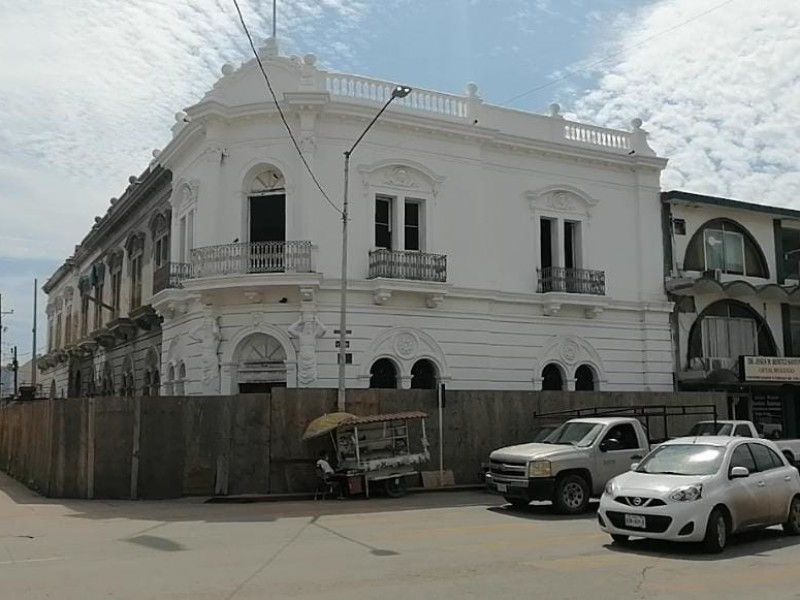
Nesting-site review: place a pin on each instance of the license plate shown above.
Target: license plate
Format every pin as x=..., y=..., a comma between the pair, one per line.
x=502, y=487
x=636, y=521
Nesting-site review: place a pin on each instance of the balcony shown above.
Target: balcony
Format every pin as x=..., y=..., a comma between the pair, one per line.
x=405, y=264
x=170, y=275
x=247, y=258
x=571, y=281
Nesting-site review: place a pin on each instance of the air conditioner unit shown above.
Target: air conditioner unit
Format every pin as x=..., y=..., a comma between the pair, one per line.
x=715, y=274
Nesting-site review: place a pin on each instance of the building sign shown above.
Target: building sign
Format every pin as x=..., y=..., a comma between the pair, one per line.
x=770, y=368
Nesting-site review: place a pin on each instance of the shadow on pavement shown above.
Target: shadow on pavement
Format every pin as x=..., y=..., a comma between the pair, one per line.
x=14, y=496
x=543, y=512
x=753, y=543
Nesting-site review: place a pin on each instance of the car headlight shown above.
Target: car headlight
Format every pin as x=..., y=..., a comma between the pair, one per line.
x=539, y=468
x=687, y=494
x=610, y=488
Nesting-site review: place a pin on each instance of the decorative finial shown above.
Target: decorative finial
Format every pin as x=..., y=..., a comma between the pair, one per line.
x=132, y=179
x=472, y=89
x=156, y=153
x=310, y=59
x=555, y=109
x=636, y=124
x=180, y=117
x=227, y=69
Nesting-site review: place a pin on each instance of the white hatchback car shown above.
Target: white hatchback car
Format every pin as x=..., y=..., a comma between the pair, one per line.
x=702, y=490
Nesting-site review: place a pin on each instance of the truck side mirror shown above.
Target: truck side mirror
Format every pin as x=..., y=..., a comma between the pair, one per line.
x=610, y=444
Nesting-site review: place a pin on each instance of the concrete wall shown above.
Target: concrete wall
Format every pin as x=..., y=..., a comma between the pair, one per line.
x=204, y=445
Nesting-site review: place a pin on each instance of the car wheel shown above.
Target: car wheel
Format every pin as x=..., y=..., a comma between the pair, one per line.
x=792, y=525
x=517, y=502
x=571, y=495
x=619, y=539
x=717, y=532
x=395, y=487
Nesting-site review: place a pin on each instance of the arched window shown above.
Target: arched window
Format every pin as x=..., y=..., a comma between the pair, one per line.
x=155, y=384
x=267, y=209
x=53, y=388
x=725, y=245
x=383, y=374
x=170, y=382
x=584, y=379
x=729, y=329
x=423, y=375
x=180, y=384
x=260, y=364
x=552, y=379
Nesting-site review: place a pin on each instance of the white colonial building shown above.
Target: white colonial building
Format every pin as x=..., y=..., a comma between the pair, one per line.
x=489, y=248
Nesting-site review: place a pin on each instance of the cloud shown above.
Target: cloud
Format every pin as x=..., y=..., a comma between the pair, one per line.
x=718, y=95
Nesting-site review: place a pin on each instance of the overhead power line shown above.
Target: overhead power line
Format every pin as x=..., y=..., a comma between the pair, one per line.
x=615, y=54
x=280, y=111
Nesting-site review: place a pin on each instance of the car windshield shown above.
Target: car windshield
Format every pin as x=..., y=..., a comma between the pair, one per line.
x=683, y=459
x=710, y=428
x=575, y=433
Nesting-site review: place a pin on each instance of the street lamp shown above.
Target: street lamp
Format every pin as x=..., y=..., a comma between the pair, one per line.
x=398, y=92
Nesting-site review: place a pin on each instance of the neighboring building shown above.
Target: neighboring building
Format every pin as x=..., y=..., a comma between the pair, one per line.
x=113, y=348
x=489, y=248
x=732, y=270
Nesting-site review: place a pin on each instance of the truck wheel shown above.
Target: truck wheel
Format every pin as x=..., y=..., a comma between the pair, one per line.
x=395, y=487
x=571, y=495
x=517, y=502
x=792, y=525
x=717, y=532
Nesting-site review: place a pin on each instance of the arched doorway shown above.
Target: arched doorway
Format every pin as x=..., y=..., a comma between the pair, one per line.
x=552, y=379
x=267, y=221
x=383, y=374
x=261, y=364
x=423, y=375
x=585, y=379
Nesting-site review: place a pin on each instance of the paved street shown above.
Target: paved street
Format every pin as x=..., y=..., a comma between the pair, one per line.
x=435, y=545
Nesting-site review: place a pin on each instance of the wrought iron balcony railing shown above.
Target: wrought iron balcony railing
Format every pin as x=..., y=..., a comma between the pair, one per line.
x=572, y=281
x=253, y=257
x=407, y=264
x=170, y=275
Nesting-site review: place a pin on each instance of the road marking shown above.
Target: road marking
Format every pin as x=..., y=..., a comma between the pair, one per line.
x=31, y=560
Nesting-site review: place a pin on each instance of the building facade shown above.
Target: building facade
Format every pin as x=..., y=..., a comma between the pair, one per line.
x=104, y=338
x=732, y=271
x=488, y=248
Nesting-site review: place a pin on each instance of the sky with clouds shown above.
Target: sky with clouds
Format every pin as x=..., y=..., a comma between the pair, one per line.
x=90, y=87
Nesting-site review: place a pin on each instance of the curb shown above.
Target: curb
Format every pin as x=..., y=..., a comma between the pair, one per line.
x=253, y=498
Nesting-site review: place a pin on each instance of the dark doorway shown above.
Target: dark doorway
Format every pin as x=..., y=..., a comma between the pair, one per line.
x=584, y=379
x=546, y=242
x=423, y=375
x=552, y=379
x=383, y=374
x=268, y=218
x=260, y=387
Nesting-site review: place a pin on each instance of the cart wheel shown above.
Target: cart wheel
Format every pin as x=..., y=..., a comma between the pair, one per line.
x=396, y=487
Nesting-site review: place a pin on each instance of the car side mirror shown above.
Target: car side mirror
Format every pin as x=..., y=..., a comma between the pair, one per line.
x=610, y=445
x=634, y=466
x=739, y=472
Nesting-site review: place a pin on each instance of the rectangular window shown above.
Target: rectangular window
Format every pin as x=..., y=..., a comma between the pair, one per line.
x=84, y=316
x=725, y=337
x=116, y=292
x=572, y=242
x=412, y=225
x=136, y=281
x=383, y=222
x=58, y=332
x=724, y=250
x=679, y=226
x=68, y=327
x=546, y=242
x=182, y=233
x=161, y=251
x=98, y=308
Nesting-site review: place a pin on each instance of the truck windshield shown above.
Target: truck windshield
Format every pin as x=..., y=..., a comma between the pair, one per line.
x=710, y=428
x=683, y=459
x=575, y=433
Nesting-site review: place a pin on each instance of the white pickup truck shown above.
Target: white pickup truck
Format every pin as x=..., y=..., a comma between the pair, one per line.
x=790, y=448
x=571, y=465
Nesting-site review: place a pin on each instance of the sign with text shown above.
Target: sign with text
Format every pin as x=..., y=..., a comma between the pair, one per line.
x=770, y=368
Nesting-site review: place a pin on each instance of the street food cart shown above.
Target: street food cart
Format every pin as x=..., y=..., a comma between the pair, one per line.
x=378, y=449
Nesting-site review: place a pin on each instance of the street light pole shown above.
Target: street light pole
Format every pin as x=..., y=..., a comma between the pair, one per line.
x=398, y=92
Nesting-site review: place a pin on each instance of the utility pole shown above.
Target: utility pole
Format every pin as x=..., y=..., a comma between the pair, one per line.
x=15, y=367
x=33, y=360
x=8, y=312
